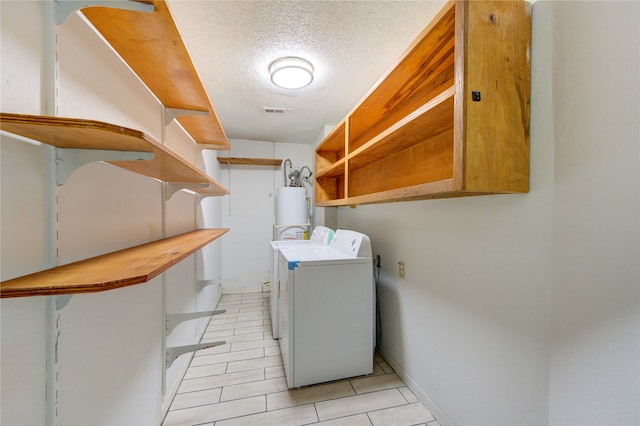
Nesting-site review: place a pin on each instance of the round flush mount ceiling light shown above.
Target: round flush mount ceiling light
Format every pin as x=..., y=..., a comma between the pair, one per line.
x=291, y=72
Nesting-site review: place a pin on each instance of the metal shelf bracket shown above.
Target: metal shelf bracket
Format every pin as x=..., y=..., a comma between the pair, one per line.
x=175, y=319
x=175, y=352
x=68, y=160
x=66, y=8
x=200, y=197
x=173, y=187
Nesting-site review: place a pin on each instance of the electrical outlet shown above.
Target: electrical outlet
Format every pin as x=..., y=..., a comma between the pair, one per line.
x=401, y=269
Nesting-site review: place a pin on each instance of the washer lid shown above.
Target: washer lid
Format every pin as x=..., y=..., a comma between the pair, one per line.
x=280, y=244
x=325, y=256
x=313, y=253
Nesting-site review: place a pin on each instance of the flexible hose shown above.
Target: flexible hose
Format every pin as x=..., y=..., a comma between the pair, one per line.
x=284, y=169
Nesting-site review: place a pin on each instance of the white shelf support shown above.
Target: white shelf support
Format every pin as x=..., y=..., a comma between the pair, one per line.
x=62, y=300
x=171, y=114
x=205, y=283
x=200, y=197
x=175, y=352
x=68, y=160
x=173, y=187
x=175, y=319
x=66, y=8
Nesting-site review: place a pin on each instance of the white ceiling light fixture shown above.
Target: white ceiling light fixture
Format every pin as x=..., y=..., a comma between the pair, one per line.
x=291, y=72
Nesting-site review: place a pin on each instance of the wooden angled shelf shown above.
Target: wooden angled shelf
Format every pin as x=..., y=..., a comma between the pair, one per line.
x=135, y=265
x=439, y=189
x=151, y=45
x=275, y=162
x=334, y=170
x=330, y=190
x=423, y=73
x=96, y=135
x=425, y=123
x=331, y=150
x=450, y=119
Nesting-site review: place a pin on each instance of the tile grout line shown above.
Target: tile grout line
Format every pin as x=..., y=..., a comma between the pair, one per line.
x=260, y=302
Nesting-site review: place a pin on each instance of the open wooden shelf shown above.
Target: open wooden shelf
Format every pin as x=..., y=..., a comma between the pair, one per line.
x=151, y=45
x=122, y=268
x=274, y=162
x=334, y=170
x=331, y=151
x=425, y=123
x=88, y=134
x=421, y=132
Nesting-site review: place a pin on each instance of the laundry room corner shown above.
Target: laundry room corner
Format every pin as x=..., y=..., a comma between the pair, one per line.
x=250, y=210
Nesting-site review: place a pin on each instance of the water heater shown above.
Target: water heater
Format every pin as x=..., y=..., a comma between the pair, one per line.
x=291, y=213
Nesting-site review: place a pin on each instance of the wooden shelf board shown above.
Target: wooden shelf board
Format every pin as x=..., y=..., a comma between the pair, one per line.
x=335, y=170
x=210, y=190
x=325, y=160
x=330, y=188
x=433, y=118
x=89, y=134
x=425, y=70
x=275, y=162
x=428, y=161
x=427, y=191
x=151, y=45
x=335, y=141
x=135, y=265
x=439, y=189
x=417, y=134
x=339, y=202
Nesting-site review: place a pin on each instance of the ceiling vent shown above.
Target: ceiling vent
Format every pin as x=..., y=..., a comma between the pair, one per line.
x=271, y=110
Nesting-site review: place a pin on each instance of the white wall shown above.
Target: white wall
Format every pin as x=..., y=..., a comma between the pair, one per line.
x=99, y=358
x=249, y=212
x=595, y=327
x=523, y=309
x=516, y=309
x=23, y=227
x=208, y=216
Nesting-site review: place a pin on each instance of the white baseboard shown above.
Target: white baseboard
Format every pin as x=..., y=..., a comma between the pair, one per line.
x=411, y=384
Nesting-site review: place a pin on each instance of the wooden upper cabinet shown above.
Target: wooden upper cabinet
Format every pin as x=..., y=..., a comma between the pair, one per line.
x=151, y=45
x=495, y=129
x=450, y=119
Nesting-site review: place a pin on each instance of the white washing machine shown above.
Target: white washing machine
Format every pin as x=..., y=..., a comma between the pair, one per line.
x=321, y=236
x=327, y=310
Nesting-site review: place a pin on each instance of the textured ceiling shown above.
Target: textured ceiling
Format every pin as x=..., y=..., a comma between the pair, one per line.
x=350, y=43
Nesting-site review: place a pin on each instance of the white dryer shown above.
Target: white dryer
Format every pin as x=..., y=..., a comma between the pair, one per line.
x=327, y=310
x=321, y=236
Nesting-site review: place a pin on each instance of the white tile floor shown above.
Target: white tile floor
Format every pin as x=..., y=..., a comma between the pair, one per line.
x=243, y=383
